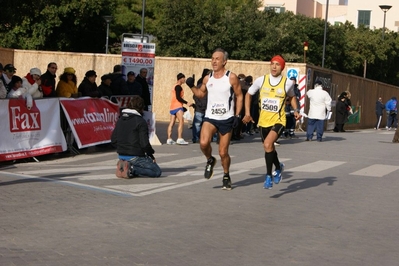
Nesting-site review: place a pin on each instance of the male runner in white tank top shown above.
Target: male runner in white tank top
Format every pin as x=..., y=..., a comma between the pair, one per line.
x=221, y=116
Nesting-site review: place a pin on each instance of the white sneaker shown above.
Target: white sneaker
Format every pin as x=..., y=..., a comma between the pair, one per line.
x=170, y=142
x=181, y=142
x=276, y=144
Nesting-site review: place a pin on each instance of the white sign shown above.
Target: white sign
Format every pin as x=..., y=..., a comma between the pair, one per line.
x=136, y=56
x=30, y=132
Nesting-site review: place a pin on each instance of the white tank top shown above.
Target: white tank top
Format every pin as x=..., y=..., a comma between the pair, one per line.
x=220, y=105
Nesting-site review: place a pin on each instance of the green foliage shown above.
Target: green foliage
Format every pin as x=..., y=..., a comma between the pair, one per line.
x=194, y=28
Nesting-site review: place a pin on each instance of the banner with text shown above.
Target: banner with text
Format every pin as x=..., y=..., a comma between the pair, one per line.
x=91, y=120
x=30, y=132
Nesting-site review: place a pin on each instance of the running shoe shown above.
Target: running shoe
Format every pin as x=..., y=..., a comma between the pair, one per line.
x=170, y=142
x=276, y=143
x=277, y=177
x=226, y=182
x=181, y=142
x=268, y=182
x=209, y=167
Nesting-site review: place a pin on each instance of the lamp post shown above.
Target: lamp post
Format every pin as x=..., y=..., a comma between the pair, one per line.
x=107, y=19
x=325, y=35
x=384, y=8
x=142, y=22
x=305, y=48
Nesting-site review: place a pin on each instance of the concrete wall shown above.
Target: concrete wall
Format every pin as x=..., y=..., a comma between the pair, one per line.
x=364, y=92
x=166, y=69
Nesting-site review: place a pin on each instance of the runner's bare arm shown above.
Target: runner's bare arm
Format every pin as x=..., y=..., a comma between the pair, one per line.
x=201, y=91
x=235, y=83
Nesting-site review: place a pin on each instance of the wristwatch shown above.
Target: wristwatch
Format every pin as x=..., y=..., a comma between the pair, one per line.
x=297, y=110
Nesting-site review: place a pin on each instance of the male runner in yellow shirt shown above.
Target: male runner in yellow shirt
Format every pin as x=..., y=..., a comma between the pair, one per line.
x=273, y=88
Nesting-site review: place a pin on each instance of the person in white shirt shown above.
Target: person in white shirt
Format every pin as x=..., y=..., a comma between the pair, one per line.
x=320, y=102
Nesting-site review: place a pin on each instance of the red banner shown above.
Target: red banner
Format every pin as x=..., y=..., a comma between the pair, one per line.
x=91, y=120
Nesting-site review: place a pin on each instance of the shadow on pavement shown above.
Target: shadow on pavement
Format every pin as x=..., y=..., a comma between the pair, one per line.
x=304, y=184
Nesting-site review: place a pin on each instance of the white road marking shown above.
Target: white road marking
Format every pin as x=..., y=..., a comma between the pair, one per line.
x=315, y=167
x=376, y=170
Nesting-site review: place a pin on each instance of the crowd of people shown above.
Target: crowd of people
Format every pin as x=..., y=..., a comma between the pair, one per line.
x=35, y=85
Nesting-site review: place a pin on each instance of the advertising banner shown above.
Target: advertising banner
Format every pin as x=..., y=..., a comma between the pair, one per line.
x=30, y=132
x=91, y=120
x=135, y=56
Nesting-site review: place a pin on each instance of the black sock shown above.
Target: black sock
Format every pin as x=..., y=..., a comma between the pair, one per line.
x=269, y=157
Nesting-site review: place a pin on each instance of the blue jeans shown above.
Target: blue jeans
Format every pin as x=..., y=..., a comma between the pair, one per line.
x=197, y=124
x=315, y=124
x=196, y=129
x=144, y=166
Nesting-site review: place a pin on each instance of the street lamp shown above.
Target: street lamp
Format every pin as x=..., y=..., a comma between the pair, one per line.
x=142, y=21
x=107, y=19
x=384, y=8
x=325, y=36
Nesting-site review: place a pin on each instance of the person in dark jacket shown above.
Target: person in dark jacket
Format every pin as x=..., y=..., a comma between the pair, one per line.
x=105, y=88
x=341, y=113
x=379, y=107
x=118, y=84
x=48, y=80
x=131, y=139
x=142, y=79
x=88, y=87
x=134, y=88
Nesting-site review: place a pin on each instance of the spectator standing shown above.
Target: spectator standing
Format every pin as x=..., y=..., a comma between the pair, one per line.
x=142, y=79
x=341, y=113
x=379, y=107
x=3, y=91
x=247, y=128
x=199, y=110
x=177, y=111
x=88, y=87
x=132, y=144
x=66, y=87
x=8, y=72
x=48, y=80
x=32, y=83
x=105, y=86
x=320, y=102
x=273, y=88
x=133, y=87
x=391, y=105
x=222, y=87
x=238, y=131
x=118, y=83
x=289, y=130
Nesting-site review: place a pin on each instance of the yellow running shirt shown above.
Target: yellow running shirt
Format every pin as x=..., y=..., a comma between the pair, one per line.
x=272, y=103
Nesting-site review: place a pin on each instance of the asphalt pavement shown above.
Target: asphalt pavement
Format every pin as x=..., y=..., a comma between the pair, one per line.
x=337, y=204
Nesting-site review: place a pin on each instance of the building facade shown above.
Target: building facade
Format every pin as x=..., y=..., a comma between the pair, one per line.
x=368, y=13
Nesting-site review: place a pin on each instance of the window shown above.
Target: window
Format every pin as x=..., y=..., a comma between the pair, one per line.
x=277, y=9
x=364, y=18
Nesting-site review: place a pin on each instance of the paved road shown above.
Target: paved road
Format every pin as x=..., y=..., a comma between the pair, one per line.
x=337, y=205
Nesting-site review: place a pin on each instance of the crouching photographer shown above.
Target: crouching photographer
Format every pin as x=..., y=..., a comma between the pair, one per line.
x=130, y=137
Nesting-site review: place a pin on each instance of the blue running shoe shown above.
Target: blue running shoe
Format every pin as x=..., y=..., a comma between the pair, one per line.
x=277, y=174
x=268, y=182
